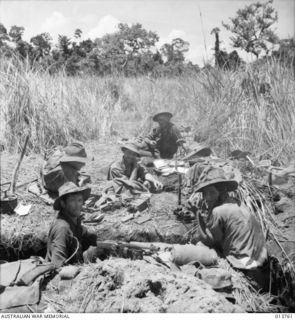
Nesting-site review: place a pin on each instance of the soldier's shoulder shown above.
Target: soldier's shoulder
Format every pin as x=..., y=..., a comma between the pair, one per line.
x=60, y=225
x=227, y=209
x=174, y=127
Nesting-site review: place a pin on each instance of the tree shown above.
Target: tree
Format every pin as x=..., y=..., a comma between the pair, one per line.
x=42, y=45
x=136, y=39
x=64, y=44
x=78, y=33
x=174, y=52
x=3, y=34
x=129, y=50
x=16, y=33
x=216, y=31
x=251, y=28
x=23, y=48
x=224, y=60
x=5, y=50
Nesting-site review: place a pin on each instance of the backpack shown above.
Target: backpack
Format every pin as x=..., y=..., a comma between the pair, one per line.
x=52, y=176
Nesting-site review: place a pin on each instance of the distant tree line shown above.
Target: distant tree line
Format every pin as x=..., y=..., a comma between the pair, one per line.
x=130, y=51
x=133, y=50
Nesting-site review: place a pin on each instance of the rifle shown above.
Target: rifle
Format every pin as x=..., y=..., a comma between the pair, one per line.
x=132, y=250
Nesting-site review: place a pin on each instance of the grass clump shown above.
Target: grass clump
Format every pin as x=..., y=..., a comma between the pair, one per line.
x=251, y=110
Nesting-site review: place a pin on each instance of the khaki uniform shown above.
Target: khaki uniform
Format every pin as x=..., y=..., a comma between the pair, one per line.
x=61, y=243
x=238, y=235
x=166, y=140
x=121, y=169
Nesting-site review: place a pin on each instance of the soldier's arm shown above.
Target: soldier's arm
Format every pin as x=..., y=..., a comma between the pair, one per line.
x=115, y=171
x=177, y=136
x=144, y=175
x=215, y=228
x=152, y=136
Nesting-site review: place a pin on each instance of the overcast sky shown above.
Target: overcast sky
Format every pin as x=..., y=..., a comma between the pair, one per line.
x=191, y=20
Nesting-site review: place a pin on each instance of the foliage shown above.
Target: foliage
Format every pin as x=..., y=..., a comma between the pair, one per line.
x=224, y=60
x=130, y=51
x=286, y=52
x=251, y=28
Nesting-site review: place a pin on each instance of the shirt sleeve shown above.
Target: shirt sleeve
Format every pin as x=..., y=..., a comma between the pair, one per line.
x=141, y=172
x=154, y=134
x=115, y=171
x=60, y=246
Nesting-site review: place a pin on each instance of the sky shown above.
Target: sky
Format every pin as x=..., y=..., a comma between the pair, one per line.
x=192, y=20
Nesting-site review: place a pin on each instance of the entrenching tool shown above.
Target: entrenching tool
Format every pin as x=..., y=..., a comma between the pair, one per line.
x=8, y=201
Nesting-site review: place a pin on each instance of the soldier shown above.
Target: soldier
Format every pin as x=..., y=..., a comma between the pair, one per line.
x=166, y=138
x=129, y=168
x=64, y=165
x=231, y=229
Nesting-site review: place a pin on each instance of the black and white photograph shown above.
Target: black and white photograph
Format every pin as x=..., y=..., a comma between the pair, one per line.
x=147, y=152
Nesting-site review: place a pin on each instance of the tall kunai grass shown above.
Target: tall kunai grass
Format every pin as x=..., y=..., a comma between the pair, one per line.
x=224, y=108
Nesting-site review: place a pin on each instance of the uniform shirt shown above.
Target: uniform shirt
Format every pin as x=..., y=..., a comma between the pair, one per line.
x=166, y=140
x=238, y=235
x=121, y=169
x=62, y=244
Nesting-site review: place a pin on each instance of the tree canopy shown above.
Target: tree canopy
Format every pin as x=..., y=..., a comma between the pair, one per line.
x=251, y=28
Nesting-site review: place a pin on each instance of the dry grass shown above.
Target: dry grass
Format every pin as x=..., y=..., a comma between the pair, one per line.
x=225, y=109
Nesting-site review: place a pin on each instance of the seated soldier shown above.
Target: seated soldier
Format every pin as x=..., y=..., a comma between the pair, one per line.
x=129, y=168
x=166, y=137
x=231, y=229
x=68, y=239
x=64, y=165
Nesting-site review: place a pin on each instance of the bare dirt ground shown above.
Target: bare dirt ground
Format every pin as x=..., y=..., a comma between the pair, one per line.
x=143, y=286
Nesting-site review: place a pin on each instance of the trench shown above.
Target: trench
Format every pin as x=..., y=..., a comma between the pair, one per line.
x=162, y=227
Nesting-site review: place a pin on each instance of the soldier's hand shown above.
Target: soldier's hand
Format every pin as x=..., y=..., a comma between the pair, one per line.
x=153, y=143
x=83, y=180
x=158, y=185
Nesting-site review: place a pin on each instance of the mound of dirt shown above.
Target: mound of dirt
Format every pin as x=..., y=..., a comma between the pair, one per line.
x=24, y=236
x=120, y=285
